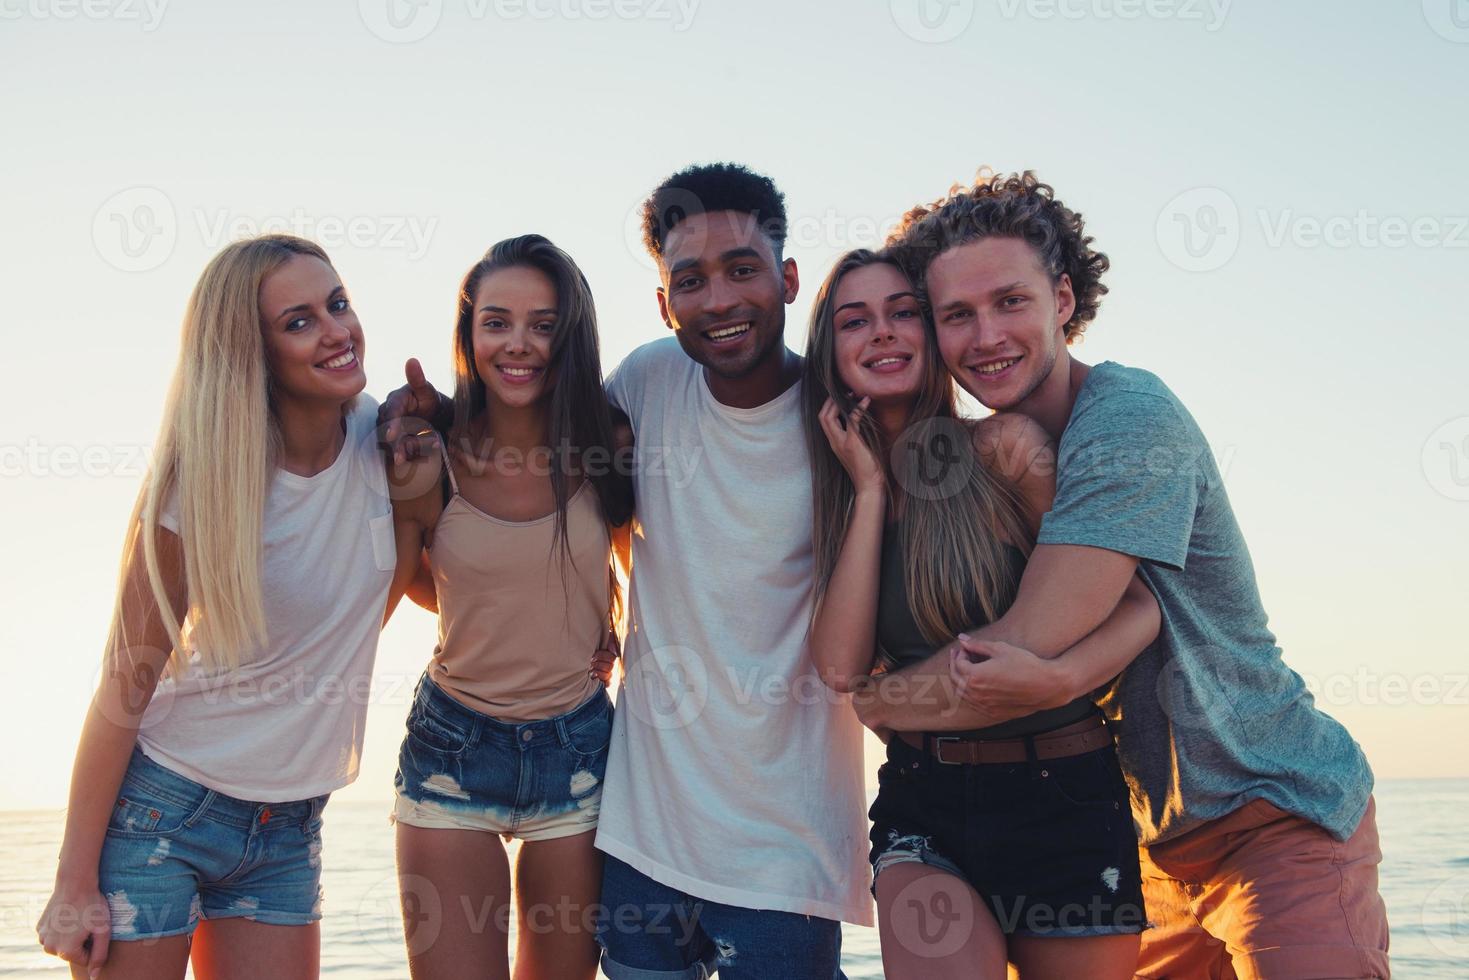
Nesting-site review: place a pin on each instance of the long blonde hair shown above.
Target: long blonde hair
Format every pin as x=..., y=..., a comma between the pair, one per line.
x=216, y=450
x=954, y=540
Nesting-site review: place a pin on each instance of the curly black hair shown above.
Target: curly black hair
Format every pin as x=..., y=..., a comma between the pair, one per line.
x=1008, y=206
x=709, y=187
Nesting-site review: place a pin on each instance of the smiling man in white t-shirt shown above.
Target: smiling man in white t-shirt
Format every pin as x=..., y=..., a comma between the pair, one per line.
x=732, y=815
x=733, y=809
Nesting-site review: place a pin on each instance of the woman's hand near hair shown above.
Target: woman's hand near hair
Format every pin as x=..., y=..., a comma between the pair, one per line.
x=844, y=629
x=407, y=418
x=76, y=923
x=845, y=436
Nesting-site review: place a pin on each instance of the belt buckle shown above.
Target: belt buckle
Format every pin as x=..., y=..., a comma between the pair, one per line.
x=938, y=748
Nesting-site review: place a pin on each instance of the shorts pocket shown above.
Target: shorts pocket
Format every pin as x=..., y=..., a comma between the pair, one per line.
x=311, y=823
x=428, y=729
x=590, y=739
x=1092, y=779
x=137, y=814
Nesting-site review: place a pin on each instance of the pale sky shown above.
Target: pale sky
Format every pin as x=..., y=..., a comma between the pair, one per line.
x=1279, y=188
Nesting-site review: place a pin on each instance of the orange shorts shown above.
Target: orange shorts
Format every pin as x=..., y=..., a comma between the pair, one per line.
x=1261, y=894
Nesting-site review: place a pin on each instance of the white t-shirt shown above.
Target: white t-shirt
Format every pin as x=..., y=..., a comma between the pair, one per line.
x=734, y=775
x=288, y=724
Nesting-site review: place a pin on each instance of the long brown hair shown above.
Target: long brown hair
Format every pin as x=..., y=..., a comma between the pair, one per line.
x=953, y=541
x=579, y=417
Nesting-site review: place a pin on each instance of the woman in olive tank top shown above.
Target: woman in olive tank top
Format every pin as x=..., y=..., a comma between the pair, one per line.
x=1008, y=843
x=510, y=529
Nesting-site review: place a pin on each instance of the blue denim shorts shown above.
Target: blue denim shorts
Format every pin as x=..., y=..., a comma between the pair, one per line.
x=176, y=852
x=462, y=770
x=651, y=931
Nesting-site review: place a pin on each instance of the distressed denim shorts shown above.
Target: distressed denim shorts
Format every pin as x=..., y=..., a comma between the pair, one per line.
x=652, y=931
x=176, y=852
x=1049, y=845
x=537, y=780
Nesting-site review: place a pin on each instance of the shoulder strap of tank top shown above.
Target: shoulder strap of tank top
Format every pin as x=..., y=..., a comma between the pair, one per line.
x=448, y=469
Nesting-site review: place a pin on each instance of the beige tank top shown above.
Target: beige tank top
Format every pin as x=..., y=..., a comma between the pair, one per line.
x=514, y=643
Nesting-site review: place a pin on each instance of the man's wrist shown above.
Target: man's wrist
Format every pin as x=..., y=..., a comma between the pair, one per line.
x=444, y=415
x=1068, y=684
x=867, y=700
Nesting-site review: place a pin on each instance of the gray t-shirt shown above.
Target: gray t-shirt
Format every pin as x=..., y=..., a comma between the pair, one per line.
x=1209, y=717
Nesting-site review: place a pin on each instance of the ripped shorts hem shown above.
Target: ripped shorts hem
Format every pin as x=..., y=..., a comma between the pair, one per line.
x=265, y=917
x=414, y=814
x=146, y=937
x=909, y=855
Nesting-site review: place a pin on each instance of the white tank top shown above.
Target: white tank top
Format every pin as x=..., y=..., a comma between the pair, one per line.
x=734, y=774
x=288, y=724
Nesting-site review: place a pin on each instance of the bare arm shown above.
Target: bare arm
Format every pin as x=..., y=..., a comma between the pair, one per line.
x=423, y=591
x=76, y=924
x=1078, y=594
x=1078, y=620
x=1010, y=682
x=976, y=681
x=844, y=629
x=417, y=502
x=1067, y=591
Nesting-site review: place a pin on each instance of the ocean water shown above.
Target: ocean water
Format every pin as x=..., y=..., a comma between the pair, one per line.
x=1424, y=826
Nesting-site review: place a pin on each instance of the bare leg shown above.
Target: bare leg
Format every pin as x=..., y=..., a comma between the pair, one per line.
x=143, y=959
x=1063, y=958
x=238, y=949
x=455, y=891
x=934, y=926
x=557, y=886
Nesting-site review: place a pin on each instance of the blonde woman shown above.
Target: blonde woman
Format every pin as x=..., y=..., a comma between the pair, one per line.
x=1018, y=828
x=254, y=582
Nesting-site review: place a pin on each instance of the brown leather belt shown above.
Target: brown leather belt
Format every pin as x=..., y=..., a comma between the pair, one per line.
x=1086, y=735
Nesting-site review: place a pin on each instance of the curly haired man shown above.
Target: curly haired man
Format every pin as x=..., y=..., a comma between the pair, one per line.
x=1254, y=808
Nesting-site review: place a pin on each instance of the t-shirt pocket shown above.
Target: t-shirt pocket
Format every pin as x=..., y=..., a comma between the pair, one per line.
x=384, y=547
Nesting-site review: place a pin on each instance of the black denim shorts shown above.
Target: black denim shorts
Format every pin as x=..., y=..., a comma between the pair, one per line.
x=1049, y=845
